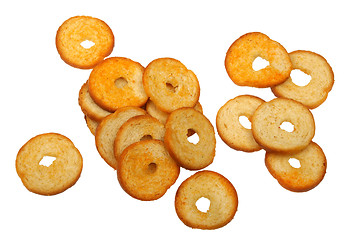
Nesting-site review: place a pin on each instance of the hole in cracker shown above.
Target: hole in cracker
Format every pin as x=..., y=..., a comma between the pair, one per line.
x=192, y=136
x=259, y=63
x=47, y=161
x=146, y=137
x=120, y=82
x=203, y=204
x=87, y=44
x=287, y=126
x=295, y=163
x=170, y=87
x=244, y=121
x=300, y=78
x=152, y=167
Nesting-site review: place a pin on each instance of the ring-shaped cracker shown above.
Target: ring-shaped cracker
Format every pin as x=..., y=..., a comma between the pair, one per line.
x=213, y=186
x=146, y=170
x=311, y=172
x=315, y=92
x=242, y=53
x=104, y=88
x=89, y=107
x=78, y=29
x=62, y=174
x=170, y=85
x=189, y=155
x=229, y=128
x=267, y=120
x=136, y=129
x=107, y=130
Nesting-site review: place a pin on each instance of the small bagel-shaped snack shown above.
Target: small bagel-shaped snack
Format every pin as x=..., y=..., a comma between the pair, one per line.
x=146, y=170
x=189, y=155
x=267, y=120
x=107, y=130
x=137, y=129
x=170, y=85
x=117, y=82
x=89, y=107
x=242, y=53
x=229, y=128
x=216, y=188
x=62, y=174
x=311, y=172
x=316, y=91
x=78, y=29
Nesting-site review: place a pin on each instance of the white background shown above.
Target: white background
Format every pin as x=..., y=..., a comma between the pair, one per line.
x=39, y=94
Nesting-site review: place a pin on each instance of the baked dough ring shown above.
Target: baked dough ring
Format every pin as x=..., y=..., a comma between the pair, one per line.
x=268, y=117
x=107, y=130
x=76, y=30
x=322, y=79
x=189, y=155
x=60, y=175
x=309, y=175
x=146, y=170
x=170, y=85
x=89, y=107
x=229, y=127
x=103, y=88
x=242, y=53
x=136, y=129
x=213, y=186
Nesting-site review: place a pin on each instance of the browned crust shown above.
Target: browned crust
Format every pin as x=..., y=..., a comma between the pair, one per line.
x=106, y=94
x=57, y=190
x=276, y=92
x=180, y=201
x=291, y=187
x=74, y=60
x=169, y=143
x=241, y=52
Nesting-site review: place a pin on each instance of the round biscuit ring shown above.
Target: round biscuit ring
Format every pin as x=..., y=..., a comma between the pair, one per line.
x=267, y=120
x=117, y=82
x=216, y=188
x=78, y=29
x=229, y=128
x=62, y=174
x=107, y=129
x=136, y=129
x=189, y=155
x=146, y=170
x=311, y=172
x=242, y=53
x=316, y=91
x=89, y=107
x=170, y=85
